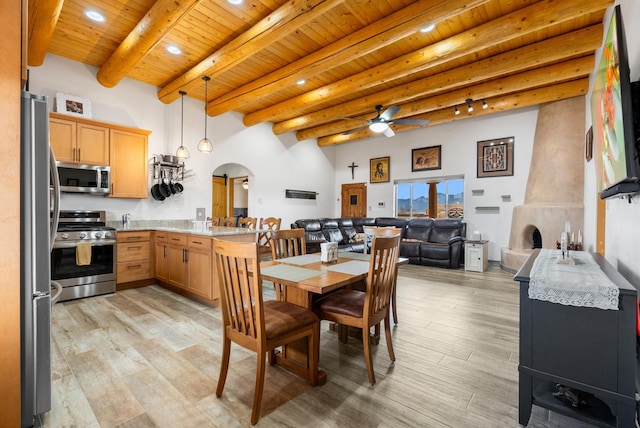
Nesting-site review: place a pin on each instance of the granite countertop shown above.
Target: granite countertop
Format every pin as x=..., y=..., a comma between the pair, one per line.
x=180, y=226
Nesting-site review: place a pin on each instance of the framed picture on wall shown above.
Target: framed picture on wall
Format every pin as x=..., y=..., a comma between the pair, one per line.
x=379, y=170
x=426, y=158
x=495, y=157
x=73, y=106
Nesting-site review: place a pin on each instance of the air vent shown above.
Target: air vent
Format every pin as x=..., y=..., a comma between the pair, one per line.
x=299, y=194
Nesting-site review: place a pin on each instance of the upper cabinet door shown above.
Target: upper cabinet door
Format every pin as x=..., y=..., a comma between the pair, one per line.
x=129, y=165
x=62, y=135
x=93, y=145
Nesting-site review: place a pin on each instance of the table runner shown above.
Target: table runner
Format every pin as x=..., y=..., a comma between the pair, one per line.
x=357, y=256
x=304, y=259
x=354, y=267
x=289, y=273
x=579, y=284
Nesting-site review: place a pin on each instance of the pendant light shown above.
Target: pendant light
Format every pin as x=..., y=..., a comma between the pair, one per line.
x=205, y=145
x=182, y=152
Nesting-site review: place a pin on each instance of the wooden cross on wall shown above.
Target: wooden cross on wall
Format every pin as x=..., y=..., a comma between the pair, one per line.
x=353, y=167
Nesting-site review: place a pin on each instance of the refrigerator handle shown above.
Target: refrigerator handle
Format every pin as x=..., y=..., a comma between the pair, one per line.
x=55, y=295
x=53, y=171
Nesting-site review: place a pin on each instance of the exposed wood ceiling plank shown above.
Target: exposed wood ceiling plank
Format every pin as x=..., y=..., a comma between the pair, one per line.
x=545, y=76
x=386, y=31
x=508, y=27
x=285, y=20
x=503, y=103
x=160, y=19
x=43, y=17
x=536, y=55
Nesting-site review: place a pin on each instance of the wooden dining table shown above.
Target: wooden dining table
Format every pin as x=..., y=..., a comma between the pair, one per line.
x=306, y=277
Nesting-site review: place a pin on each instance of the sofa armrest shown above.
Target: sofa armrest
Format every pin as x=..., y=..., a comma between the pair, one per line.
x=456, y=239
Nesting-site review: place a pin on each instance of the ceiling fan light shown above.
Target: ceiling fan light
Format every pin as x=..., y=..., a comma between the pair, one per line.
x=456, y=111
x=469, y=108
x=484, y=104
x=378, y=126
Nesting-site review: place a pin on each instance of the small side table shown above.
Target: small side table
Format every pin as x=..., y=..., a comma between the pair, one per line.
x=475, y=255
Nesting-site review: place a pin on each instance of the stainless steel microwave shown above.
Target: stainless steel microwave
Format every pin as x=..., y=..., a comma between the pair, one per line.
x=92, y=179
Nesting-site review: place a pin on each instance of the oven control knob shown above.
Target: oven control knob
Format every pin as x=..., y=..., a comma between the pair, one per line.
x=107, y=234
x=65, y=236
x=82, y=235
x=98, y=235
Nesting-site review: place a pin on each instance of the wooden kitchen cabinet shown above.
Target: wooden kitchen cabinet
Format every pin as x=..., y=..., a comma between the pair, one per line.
x=177, y=260
x=124, y=149
x=129, y=164
x=78, y=141
x=133, y=256
x=199, y=259
x=162, y=256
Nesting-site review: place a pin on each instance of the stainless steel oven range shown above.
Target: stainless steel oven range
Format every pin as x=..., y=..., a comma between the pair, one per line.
x=89, y=278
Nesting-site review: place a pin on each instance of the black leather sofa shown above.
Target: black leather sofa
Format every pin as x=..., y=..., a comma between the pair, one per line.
x=425, y=241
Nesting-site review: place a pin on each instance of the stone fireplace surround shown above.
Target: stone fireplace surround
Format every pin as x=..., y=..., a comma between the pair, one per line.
x=554, y=192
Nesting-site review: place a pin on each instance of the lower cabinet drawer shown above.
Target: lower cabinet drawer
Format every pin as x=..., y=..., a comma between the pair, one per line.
x=133, y=271
x=129, y=251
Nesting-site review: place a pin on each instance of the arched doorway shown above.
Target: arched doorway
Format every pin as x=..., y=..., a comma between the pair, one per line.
x=230, y=190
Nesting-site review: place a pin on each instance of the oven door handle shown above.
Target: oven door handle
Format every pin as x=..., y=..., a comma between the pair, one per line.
x=93, y=244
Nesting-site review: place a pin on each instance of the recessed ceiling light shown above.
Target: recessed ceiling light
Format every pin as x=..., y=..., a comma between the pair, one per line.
x=235, y=2
x=301, y=82
x=174, y=50
x=428, y=28
x=94, y=15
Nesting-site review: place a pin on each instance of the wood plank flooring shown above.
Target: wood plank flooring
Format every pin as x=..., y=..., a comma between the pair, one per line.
x=147, y=357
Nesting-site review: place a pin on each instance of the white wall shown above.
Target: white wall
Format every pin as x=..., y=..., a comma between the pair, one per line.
x=275, y=163
x=459, y=154
x=622, y=231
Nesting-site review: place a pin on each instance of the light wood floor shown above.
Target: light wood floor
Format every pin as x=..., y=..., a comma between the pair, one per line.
x=150, y=358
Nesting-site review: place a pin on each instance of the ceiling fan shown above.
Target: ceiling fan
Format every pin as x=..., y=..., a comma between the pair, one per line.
x=381, y=122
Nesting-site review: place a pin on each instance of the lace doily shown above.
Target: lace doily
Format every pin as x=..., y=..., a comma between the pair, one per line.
x=579, y=284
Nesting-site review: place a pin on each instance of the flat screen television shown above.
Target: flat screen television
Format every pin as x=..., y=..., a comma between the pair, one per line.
x=614, y=135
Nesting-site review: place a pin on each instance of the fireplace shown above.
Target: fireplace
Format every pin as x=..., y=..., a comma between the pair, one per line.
x=555, y=187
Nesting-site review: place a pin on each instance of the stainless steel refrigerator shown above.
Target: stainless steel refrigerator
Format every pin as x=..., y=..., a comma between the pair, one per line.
x=39, y=207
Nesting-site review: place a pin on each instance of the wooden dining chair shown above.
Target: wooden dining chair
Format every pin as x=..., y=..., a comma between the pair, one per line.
x=268, y=225
x=215, y=221
x=286, y=243
x=390, y=231
x=253, y=323
x=228, y=221
x=250, y=223
x=363, y=309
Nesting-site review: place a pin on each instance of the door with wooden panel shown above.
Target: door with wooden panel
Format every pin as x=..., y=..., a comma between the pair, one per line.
x=354, y=200
x=93, y=144
x=129, y=165
x=218, y=196
x=63, y=136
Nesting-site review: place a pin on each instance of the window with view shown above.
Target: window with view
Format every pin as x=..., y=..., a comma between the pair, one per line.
x=435, y=198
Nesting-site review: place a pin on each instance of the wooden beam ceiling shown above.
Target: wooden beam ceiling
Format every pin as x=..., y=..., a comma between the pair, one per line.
x=352, y=54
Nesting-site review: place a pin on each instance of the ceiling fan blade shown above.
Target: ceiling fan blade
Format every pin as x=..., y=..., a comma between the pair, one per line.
x=389, y=113
x=351, y=131
x=389, y=132
x=410, y=121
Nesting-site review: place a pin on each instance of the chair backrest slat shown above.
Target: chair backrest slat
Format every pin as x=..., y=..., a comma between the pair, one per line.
x=288, y=243
x=382, y=271
x=240, y=288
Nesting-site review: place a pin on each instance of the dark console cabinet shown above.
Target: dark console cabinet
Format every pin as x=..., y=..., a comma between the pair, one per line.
x=589, y=349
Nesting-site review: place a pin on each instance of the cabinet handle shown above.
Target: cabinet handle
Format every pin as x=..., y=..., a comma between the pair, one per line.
x=73, y=154
x=134, y=247
x=134, y=237
x=175, y=239
x=78, y=154
x=186, y=255
x=165, y=252
x=134, y=266
x=197, y=242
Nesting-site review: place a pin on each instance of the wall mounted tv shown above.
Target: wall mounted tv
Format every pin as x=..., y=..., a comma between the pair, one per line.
x=614, y=135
